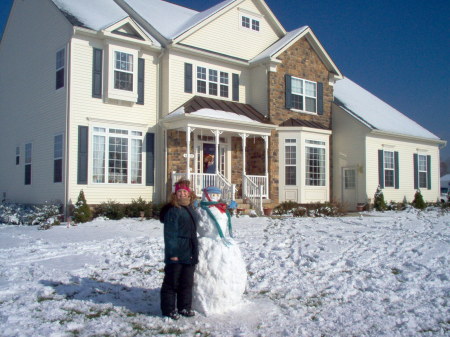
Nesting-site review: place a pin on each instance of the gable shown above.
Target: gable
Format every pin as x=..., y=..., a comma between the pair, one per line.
x=127, y=29
x=224, y=33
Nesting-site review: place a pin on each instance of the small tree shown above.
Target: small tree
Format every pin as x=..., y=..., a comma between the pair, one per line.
x=418, y=201
x=379, y=203
x=82, y=212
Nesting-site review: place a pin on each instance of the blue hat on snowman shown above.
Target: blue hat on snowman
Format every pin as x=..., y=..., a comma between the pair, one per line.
x=212, y=190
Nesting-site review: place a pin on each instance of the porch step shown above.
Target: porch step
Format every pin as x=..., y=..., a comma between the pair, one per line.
x=246, y=207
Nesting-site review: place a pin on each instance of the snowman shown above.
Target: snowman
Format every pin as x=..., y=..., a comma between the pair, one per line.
x=220, y=276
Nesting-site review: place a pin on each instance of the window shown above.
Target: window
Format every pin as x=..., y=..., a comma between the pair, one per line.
x=17, y=155
x=315, y=166
x=303, y=95
x=389, y=169
x=117, y=156
x=349, y=179
x=60, y=64
x=123, y=71
x=28, y=153
x=212, y=82
x=57, y=159
x=250, y=23
x=290, y=150
x=423, y=172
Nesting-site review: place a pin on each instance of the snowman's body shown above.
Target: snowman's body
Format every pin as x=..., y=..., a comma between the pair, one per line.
x=220, y=276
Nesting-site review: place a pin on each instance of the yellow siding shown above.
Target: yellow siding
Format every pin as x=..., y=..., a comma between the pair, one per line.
x=226, y=36
x=31, y=110
x=87, y=111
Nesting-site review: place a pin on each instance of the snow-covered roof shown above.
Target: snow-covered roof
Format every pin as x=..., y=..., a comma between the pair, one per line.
x=211, y=113
x=375, y=113
x=93, y=14
x=280, y=44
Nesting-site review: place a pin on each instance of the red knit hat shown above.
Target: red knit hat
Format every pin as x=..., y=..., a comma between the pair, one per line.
x=182, y=186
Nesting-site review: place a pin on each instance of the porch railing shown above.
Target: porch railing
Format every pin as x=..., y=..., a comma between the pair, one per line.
x=201, y=180
x=253, y=193
x=261, y=181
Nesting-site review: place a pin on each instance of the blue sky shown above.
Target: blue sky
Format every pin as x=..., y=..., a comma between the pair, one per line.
x=398, y=50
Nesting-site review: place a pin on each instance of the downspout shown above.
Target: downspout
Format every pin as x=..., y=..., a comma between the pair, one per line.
x=67, y=133
x=163, y=192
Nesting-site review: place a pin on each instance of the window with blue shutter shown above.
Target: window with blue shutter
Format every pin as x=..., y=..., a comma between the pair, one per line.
x=303, y=95
x=82, y=172
x=319, y=98
x=188, y=78
x=150, y=159
x=97, y=64
x=141, y=72
x=288, y=93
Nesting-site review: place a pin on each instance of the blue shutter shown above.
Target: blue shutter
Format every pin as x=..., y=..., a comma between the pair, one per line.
x=429, y=172
x=188, y=78
x=236, y=87
x=140, y=88
x=319, y=98
x=97, y=73
x=416, y=171
x=288, y=80
x=396, y=171
x=82, y=173
x=381, y=168
x=150, y=159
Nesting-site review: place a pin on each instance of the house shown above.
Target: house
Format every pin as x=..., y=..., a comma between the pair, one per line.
x=385, y=149
x=127, y=96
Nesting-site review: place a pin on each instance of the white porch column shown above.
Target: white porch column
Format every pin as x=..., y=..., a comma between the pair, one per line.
x=244, y=145
x=188, y=152
x=217, y=134
x=266, y=147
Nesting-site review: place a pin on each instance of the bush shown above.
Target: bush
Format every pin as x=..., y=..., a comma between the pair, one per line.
x=285, y=207
x=156, y=210
x=134, y=209
x=16, y=214
x=418, y=201
x=82, y=212
x=379, y=203
x=111, y=210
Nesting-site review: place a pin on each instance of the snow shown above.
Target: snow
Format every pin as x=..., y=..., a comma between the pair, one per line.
x=211, y=113
x=375, y=113
x=374, y=274
x=96, y=15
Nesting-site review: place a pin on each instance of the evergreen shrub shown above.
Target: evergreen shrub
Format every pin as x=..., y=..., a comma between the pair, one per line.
x=81, y=212
x=379, y=203
x=111, y=210
x=418, y=201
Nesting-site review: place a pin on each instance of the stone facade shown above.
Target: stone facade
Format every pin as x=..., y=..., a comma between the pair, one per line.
x=300, y=60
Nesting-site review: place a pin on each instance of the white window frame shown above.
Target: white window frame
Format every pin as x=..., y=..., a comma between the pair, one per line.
x=290, y=147
x=389, y=167
x=117, y=93
x=303, y=94
x=322, y=179
x=211, y=77
x=60, y=67
x=58, y=156
x=132, y=166
x=422, y=171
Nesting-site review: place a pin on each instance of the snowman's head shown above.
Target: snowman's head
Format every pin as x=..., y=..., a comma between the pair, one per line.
x=211, y=193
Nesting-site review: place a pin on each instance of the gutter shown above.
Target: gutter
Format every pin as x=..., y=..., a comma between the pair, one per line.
x=67, y=133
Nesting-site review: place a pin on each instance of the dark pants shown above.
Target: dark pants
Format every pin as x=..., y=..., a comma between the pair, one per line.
x=177, y=287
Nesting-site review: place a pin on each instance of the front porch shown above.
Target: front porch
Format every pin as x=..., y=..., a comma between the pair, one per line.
x=212, y=147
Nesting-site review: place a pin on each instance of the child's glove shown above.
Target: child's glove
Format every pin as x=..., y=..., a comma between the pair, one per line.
x=233, y=204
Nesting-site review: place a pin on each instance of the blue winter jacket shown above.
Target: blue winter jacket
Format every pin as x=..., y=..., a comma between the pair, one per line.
x=180, y=235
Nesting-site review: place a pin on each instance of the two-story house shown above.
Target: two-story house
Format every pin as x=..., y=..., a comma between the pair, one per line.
x=121, y=98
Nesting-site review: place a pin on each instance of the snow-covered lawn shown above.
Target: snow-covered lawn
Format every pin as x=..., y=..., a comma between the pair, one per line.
x=380, y=274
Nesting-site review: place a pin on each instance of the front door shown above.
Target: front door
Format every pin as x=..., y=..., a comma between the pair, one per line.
x=349, y=188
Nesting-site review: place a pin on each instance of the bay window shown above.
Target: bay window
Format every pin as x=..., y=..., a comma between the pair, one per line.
x=315, y=163
x=290, y=150
x=117, y=156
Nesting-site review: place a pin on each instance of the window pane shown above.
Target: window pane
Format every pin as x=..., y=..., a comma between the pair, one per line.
x=213, y=75
x=255, y=25
x=290, y=155
x=136, y=161
x=201, y=73
x=389, y=178
x=57, y=171
x=213, y=89
x=422, y=163
x=310, y=104
x=201, y=87
x=223, y=77
x=422, y=179
x=315, y=166
x=28, y=148
x=297, y=86
x=297, y=102
x=388, y=160
x=123, y=81
x=60, y=58
x=291, y=178
x=349, y=179
x=60, y=78
x=58, y=147
x=245, y=22
x=310, y=89
x=223, y=90
x=118, y=160
x=99, y=160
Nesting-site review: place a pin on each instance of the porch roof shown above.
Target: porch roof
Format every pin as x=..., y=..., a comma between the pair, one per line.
x=205, y=112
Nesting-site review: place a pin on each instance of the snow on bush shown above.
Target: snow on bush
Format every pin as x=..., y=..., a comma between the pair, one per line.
x=18, y=214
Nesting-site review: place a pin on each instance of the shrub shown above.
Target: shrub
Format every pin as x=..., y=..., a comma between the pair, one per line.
x=156, y=210
x=285, y=207
x=418, y=201
x=379, y=203
x=82, y=212
x=111, y=210
x=137, y=206
x=17, y=214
